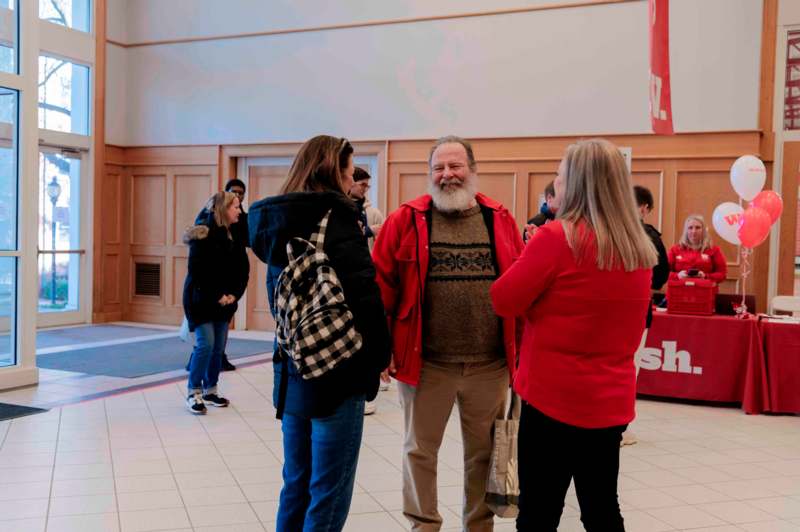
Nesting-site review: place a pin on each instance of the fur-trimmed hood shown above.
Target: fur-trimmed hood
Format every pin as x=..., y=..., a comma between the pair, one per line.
x=195, y=232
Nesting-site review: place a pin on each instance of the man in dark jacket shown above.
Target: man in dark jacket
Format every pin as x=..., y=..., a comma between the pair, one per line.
x=241, y=240
x=644, y=200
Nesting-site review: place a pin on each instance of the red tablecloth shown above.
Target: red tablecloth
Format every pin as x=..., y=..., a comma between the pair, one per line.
x=707, y=358
x=782, y=351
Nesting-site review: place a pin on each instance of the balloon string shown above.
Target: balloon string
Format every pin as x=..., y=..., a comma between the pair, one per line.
x=745, y=273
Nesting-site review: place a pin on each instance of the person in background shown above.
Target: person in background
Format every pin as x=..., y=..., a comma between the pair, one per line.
x=548, y=210
x=582, y=284
x=210, y=295
x=370, y=220
x=239, y=232
x=436, y=257
x=322, y=418
x=644, y=202
x=695, y=255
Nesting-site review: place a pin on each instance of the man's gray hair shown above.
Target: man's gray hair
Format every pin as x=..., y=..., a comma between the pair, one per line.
x=453, y=139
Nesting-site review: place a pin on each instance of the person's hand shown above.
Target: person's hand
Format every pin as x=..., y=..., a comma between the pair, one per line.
x=530, y=230
x=375, y=228
x=682, y=274
x=701, y=274
x=227, y=299
x=388, y=373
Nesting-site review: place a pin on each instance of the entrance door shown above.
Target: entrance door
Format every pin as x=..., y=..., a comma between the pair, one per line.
x=264, y=178
x=63, y=288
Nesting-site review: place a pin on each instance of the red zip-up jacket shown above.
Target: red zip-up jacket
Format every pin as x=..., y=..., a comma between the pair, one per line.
x=582, y=328
x=401, y=261
x=710, y=261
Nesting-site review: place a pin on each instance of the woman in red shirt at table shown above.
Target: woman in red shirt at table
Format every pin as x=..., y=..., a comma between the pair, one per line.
x=695, y=255
x=582, y=284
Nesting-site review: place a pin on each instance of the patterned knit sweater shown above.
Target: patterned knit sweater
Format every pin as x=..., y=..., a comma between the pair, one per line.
x=459, y=323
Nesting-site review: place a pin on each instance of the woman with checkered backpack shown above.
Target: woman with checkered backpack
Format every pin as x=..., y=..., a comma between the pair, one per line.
x=332, y=339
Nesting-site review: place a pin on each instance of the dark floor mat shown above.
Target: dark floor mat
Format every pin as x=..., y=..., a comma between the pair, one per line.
x=140, y=358
x=9, y=411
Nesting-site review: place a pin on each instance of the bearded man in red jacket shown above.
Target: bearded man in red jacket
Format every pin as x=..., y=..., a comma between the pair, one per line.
x=436, y=257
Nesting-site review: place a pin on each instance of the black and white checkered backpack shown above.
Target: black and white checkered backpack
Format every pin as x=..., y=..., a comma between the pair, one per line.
x=314, y=324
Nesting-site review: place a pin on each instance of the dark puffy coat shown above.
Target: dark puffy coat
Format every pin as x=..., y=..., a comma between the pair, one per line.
x=241, y=241
x=212, y=272
x=273, y=222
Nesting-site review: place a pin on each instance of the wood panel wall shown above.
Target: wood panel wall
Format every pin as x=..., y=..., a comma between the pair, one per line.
x=149, y=197
x=151, y=194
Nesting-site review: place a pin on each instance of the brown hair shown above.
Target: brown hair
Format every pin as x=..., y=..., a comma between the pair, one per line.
x=318, y=166
x=598, y=192
x=218, y=204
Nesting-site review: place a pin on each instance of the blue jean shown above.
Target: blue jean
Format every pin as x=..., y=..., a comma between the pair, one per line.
x=206, y=361
x=319, y=469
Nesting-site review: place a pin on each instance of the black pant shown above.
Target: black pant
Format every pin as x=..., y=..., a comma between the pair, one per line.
x=552, y=453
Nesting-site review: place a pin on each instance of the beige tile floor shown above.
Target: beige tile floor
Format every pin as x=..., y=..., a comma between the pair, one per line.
x=139, y=462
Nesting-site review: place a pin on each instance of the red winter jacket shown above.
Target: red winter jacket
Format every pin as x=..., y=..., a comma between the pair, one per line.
x=583, y=326
x=709, y=261
x=401, y=261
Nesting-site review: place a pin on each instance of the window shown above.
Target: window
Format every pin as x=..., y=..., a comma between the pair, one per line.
x=8, y=307
x=791, y=103
x=8, y=170
x=8, y=225
x=8, y=37
x=59, y=230
x=63, y=96
x=75, y=14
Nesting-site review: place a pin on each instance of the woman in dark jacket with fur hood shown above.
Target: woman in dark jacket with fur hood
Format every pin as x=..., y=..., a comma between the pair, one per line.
x=322, y=418
x=210, y=293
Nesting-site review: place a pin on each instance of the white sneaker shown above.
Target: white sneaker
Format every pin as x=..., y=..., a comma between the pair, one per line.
x=384, y=386
x=195, y=404
x=370, y=407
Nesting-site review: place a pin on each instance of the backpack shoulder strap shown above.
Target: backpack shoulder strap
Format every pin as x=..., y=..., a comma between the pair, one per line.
x=318, y=237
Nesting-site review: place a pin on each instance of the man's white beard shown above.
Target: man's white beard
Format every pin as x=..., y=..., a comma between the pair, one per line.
x=454, y=198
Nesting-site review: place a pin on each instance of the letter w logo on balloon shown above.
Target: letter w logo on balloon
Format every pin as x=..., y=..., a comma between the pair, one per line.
x=733, y=219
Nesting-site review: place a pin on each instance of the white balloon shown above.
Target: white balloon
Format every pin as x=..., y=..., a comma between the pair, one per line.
x=748, y=175
x=726, y=220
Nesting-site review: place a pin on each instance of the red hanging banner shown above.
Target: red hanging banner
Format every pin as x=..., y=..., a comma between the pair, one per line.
x=660, y=94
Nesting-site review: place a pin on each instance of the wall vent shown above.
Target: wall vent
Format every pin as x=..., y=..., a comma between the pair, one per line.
x=148, y=279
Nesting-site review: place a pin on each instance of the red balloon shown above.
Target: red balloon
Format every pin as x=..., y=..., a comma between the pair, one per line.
x=754, y=226
x=771, y=202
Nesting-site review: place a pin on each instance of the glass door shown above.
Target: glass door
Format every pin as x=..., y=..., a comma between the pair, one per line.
x=62, y=254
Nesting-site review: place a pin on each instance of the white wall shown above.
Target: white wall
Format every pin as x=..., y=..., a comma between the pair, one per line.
x=567, y=71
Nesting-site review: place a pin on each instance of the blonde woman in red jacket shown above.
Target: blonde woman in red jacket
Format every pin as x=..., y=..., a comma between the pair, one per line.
x=695, y=255
x=583, y=286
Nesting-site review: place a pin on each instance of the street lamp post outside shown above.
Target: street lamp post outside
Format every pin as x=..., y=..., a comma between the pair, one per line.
x=53, y=192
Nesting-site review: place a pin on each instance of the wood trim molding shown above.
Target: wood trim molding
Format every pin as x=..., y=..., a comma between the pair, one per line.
x=766, y=101
x=163, y=156
x=372, y=23
x=99, y=159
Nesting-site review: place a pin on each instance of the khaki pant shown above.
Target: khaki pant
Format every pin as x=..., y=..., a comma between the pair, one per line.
x=480, y=391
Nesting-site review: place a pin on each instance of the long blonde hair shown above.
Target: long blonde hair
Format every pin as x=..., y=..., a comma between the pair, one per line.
x=599, y=193
x=684, y=241
x=218, y=204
